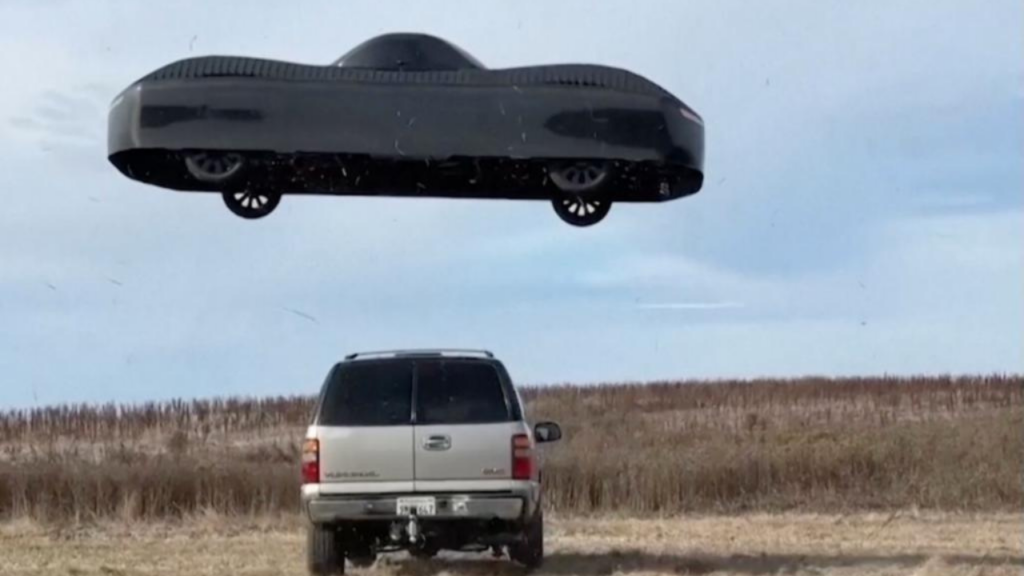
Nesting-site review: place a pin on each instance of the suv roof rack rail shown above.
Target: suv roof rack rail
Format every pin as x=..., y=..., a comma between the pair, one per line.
x=422, y=352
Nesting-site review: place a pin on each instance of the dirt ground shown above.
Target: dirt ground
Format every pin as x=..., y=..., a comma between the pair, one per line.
x=878, y=544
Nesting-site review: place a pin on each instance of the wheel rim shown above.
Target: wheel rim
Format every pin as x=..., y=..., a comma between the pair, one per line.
x=214, y=167
x=579, y=176
x=251, y=201
x=251, y=204
x=582, y=211
x=581, y=207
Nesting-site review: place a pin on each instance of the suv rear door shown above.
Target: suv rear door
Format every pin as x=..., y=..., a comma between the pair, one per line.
x=365, y=428
x=465, y=419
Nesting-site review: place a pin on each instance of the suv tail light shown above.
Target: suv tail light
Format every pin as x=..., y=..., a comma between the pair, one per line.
x=522, y=457
x=311, y=462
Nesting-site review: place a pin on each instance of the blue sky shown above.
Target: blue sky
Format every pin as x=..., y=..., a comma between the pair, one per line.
x=863, y=211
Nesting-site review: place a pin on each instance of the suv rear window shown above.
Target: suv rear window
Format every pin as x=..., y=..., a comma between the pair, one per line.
x=369, y=394
x=454, y=392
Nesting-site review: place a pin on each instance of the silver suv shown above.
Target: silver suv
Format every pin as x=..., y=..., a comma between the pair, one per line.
x=421, y=450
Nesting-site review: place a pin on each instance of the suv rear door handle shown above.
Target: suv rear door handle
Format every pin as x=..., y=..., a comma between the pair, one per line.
x=437, y=442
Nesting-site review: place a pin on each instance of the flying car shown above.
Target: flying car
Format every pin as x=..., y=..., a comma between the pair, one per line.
x=407, y=115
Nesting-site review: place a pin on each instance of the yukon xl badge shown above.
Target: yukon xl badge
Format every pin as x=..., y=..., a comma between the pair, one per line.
x=350, y=475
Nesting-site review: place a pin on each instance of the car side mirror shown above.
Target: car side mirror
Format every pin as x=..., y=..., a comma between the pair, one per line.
x=547, y=432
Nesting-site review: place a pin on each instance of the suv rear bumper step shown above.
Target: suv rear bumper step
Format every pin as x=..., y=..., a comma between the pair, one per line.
x=468, y=506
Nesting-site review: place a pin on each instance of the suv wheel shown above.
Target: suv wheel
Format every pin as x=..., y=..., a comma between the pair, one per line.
x=530, y=550
x=324, y=556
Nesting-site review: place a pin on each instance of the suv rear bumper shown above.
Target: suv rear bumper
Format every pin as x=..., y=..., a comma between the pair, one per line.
x=323, y=509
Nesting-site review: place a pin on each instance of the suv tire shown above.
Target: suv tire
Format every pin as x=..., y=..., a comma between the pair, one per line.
x=323, y=551
x=530, y=551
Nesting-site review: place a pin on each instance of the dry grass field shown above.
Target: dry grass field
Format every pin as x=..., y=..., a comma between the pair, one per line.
x=809, y=445
x=921, y=544
x=882, y=476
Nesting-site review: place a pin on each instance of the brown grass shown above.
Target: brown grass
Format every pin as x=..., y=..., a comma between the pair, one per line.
x=661, y=448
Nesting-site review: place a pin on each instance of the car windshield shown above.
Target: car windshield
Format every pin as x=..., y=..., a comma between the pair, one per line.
x=409, y=52
x=454, y=392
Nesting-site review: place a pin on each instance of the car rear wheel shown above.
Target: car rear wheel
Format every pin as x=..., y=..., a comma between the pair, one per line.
x=324, y=556
x=214, y=167
x=530, y=550
x=581, y=210
x=251, y=204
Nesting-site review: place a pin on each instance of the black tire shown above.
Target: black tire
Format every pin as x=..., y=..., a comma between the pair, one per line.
x=530, y=550
x=581, y=210
x=324, y=556
x=251, y=204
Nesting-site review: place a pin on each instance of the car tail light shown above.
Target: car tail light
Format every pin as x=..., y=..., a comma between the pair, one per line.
x=311, y=462
x=522, y=457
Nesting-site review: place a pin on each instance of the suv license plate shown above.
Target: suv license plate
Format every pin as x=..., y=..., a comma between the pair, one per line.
x=422, y=506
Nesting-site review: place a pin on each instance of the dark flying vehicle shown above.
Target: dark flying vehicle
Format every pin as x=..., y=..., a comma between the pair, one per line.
x=407, y=115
